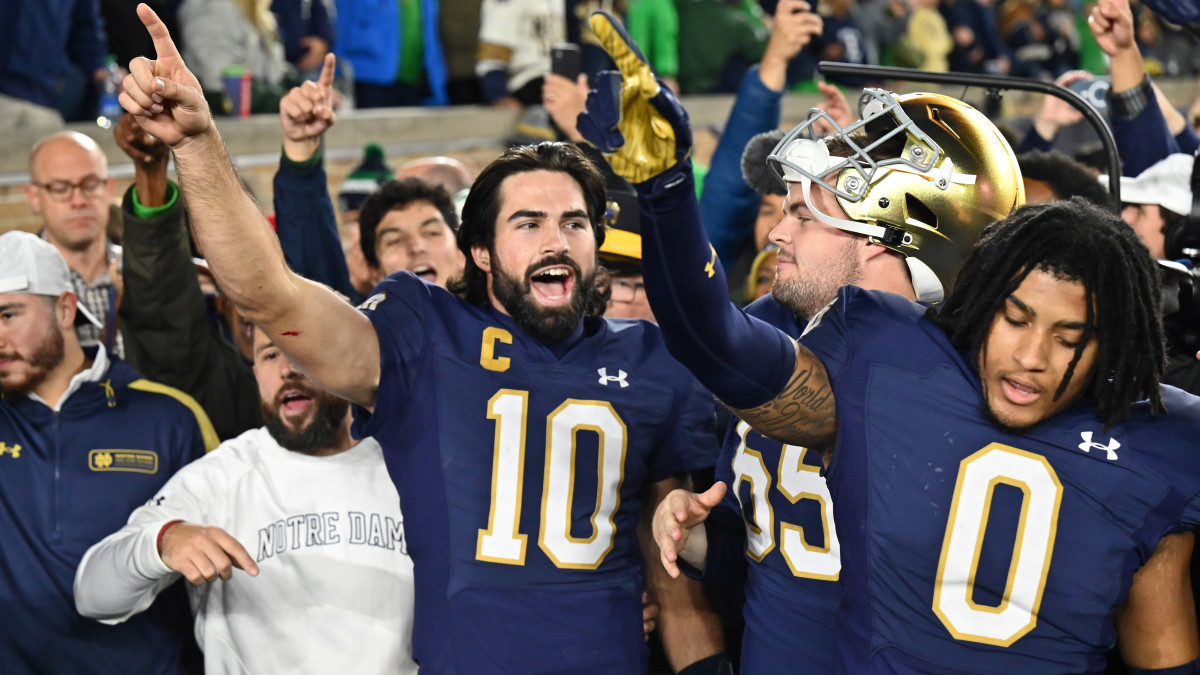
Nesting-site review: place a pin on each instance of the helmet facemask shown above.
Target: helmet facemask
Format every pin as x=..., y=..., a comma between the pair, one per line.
x=913, y=200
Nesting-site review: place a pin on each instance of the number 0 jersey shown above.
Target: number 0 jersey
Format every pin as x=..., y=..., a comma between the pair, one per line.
x=971, y=550
x=521, y=472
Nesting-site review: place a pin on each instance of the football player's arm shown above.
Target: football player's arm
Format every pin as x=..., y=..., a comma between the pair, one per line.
x=778, y=386
x=1156, y=628
x=689, y=628
x=327, y=339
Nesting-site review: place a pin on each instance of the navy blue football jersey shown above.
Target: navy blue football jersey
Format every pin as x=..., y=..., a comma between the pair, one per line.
x=520, y=470
x=968, y=549
x=783, y=525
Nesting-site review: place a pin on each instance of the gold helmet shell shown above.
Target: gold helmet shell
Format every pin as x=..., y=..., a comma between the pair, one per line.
x=928, y=201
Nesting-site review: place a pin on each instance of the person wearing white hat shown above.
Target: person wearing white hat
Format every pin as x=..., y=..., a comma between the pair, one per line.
x=83, y=441
x=1157, y=202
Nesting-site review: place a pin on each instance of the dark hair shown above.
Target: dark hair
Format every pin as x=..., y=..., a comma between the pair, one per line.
x=482, y=208
x=1077, y=241
x=1093, y=155
x=1066, y=177
x=395, y=195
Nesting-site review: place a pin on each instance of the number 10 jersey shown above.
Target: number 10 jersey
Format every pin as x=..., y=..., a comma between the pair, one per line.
x=521, y=468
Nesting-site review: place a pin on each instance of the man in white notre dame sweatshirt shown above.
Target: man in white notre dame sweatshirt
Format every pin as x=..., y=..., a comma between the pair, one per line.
x=309, y=517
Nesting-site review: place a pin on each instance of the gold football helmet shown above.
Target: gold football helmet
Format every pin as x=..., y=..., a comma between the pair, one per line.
x=928, y=201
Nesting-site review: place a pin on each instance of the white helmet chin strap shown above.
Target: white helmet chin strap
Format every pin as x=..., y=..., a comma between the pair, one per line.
x=925, y=283
x=865, y=229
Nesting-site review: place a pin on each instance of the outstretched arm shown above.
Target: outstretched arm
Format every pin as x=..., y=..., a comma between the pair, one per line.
x=1138, y=125
x=304, y=217
x=327, y=339
x=751, y=366
x=689, y=628
x=729, y=205
x=169, y=337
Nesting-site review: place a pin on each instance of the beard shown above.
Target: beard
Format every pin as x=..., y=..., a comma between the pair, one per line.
x=813, y=288
x=47, y=354
x=548, y=324
x=319, y=429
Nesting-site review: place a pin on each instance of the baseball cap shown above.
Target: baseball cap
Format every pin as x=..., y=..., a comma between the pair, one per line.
x=1167, y=184
x=29, y=264
x=621, y=252
x=365, y=179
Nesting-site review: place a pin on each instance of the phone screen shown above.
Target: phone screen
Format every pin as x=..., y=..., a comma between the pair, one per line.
x=565, y=60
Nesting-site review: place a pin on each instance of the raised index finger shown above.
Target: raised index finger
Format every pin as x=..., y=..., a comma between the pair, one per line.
x=164, y=46
x=618, y=44
x=325, y=81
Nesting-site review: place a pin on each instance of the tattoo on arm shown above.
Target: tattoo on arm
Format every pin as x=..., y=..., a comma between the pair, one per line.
x=804, y=413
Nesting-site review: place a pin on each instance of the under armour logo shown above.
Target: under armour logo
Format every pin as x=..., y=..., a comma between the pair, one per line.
x=1087, y=445
x=14, y=450
x=159, y=501
x=605, y=378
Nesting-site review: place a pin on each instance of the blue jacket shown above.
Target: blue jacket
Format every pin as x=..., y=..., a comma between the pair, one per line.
x=68, y=479
x=39, y=40
x=729, y=206
x=369, y=38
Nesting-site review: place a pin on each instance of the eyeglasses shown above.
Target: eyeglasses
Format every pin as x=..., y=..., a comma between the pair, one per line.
x=626, y=291
x=61, y=190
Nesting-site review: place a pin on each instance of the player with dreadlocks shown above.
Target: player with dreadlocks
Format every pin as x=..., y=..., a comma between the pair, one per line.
x=1028, y=412
x=993, y=503
x=1121, y=294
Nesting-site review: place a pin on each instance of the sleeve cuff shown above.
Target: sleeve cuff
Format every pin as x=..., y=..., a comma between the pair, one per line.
x=149, y=563
x=306, y=165
x=1127, y=104
x=146, y=212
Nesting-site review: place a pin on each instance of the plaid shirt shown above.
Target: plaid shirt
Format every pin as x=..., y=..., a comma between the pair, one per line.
x=97, y=297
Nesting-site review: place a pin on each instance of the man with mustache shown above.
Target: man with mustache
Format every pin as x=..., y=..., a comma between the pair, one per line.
x=83, y=441
x=523, y=432
x=287, y=504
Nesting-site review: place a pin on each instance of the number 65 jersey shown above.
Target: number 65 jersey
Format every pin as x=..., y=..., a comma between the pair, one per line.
x=521, y=468
x=967, y=549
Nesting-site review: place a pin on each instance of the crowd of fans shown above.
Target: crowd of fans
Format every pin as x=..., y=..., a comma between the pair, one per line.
x=496, y=52
x=292, y=475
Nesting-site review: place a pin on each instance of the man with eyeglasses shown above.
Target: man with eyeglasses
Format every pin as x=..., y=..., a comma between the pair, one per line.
x=621, y=255
x=71, y=190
